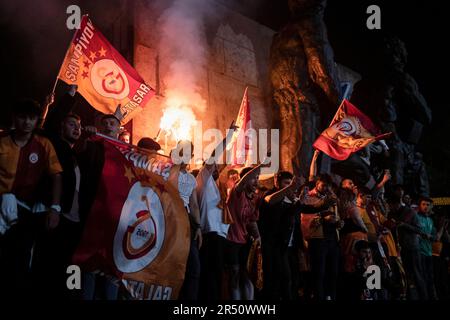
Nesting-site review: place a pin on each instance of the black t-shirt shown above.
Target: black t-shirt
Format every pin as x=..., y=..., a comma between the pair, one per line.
x=277, y=221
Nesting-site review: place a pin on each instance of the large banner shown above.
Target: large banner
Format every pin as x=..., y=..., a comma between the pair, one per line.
x=138, y=229
x=349, y=131
x=104, y=77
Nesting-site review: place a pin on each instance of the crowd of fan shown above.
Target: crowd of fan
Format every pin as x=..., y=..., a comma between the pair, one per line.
x=313, y=240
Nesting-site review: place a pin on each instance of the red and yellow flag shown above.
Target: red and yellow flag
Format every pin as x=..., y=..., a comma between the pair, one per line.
x=138, y=229
x=241, y=145
x=349, y=131
x=104, y=78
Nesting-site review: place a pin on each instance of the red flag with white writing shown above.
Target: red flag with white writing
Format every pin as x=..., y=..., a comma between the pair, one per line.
x=242, y=142
x=349, y=131
x=104, y=78
x=138, y=229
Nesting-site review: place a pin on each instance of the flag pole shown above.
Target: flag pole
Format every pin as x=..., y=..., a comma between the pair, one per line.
x=67, y=51
x=117, y=141
x=56, y=82
x=64, y=59
x=52, y=93
x=157, y=135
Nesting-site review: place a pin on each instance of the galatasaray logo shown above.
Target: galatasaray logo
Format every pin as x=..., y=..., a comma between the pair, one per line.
x=145, y=235
x=33, y=158
x=347, y=126
x=109, y=80
x=140, y=232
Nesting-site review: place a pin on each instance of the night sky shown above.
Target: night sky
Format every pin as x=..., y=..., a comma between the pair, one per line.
x=29, y=64
x=423, y=26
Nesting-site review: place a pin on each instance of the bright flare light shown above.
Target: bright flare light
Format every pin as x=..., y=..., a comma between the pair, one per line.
x=178, y=121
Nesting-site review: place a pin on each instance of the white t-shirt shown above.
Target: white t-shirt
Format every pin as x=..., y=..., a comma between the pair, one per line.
x=186, y=185
x=209, y=198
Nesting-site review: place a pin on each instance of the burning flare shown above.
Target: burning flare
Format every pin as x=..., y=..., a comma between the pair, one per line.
x=178, y=121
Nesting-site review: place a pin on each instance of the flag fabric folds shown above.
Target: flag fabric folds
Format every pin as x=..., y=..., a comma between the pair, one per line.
x=138, y=229
x=241, y=145
x=104, y=78
x=349, y=131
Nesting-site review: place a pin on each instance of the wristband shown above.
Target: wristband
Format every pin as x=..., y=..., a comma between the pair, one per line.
x=56, y=207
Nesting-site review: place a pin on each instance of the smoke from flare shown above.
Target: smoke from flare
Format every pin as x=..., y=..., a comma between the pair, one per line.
x=183, y=50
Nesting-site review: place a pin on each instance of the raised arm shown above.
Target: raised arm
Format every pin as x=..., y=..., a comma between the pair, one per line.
x=51, y=120
x=356, y=218
x=252, y=174
x=280, y=194
x=313, y=166
x=210, y=163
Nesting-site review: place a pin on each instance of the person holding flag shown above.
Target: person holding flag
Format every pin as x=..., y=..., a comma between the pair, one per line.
x=134, y=236
x=53, y=251
x=213, y=223
x=91, y=161
x=242, y=143
x=349, y=131
x=104, y=78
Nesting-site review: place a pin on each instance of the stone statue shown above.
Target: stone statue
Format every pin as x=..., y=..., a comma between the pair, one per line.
x=304, y=82
x=413, y=114
x=391, y=96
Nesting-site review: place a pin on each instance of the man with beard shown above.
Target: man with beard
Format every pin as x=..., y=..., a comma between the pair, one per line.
x=95, y=283
x=348, y=184
x=53, y=250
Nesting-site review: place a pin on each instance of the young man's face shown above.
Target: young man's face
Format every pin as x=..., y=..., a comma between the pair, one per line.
x=365, y=254
x=125, y=138
x=25, y=123
x=348, y=184
x=232, y=180
x=71, y=129
x=186, y=153
x=215, y=173
x=321, y=186
x=407, y=199
x=425, y=207
x=110, y=127
x=252, y=185
x=284, y=183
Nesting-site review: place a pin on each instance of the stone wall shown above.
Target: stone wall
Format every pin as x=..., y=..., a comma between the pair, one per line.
x=238, y=57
